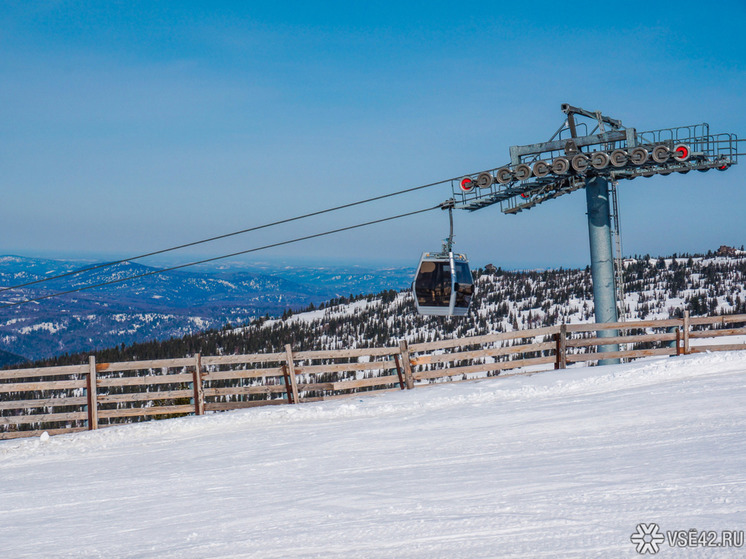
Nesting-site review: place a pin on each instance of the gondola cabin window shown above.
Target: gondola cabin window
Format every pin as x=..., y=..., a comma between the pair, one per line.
x=433, y=284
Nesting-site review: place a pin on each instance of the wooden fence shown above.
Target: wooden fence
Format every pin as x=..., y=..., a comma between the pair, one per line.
x=92, y=395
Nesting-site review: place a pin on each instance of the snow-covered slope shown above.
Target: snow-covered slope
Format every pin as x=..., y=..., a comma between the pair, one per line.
x=558, y=464
x=511, y=300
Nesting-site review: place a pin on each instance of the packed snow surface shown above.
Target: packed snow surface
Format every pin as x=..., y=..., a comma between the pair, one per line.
x=557, y=464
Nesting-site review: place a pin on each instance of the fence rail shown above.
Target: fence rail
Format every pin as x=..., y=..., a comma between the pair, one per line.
x=92, y=395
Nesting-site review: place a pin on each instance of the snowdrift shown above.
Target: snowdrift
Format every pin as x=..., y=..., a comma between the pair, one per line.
x=558, y=464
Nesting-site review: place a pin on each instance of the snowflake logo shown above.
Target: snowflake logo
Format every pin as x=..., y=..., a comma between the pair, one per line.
x=647, y=538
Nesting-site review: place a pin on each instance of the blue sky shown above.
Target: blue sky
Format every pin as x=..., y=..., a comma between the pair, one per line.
x=127, y=127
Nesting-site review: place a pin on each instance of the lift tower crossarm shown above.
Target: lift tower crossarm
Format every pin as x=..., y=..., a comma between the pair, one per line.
x=543, y=171
x=517, y=152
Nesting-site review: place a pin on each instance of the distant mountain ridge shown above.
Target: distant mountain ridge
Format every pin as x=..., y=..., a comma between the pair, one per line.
x=159, y=306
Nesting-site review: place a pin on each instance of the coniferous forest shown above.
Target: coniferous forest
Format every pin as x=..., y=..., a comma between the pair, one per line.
x=504, y=300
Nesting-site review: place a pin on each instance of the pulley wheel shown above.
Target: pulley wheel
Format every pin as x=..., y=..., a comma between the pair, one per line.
x=541, y=169
x=580, y=163
x=522, y=172
x=561, y=166
x=618, y=158
x=638, y=156
x=600, y=160
x=661, y=154
x=504, y=175
x=484, y=180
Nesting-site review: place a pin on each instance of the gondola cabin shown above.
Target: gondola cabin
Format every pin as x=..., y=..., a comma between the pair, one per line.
x=443, y=285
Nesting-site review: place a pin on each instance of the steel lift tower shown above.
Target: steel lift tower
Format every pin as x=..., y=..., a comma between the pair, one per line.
x=593, y=151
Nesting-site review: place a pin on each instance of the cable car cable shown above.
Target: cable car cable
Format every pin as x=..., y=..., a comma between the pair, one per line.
x=213, y=259
x=226, y=235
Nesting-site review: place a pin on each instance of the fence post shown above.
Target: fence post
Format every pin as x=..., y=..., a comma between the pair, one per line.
x=686, y=332
x=561, y=347
x=406, y=363
x=292, y=385
x=199, y=394
x=678, y=341
x=92, y=394
x=399, y=371
x=286, y=383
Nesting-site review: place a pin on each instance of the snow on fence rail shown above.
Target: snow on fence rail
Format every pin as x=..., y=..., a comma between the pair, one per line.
x=92, y=395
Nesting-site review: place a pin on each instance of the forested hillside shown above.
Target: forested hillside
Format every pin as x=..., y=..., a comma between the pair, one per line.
x=505, y=300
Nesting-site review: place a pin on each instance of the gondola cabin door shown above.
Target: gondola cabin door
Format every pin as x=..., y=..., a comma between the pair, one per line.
x=443, y=285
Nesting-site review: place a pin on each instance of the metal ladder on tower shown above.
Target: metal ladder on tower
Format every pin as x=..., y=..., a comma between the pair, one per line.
x=616, y=233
